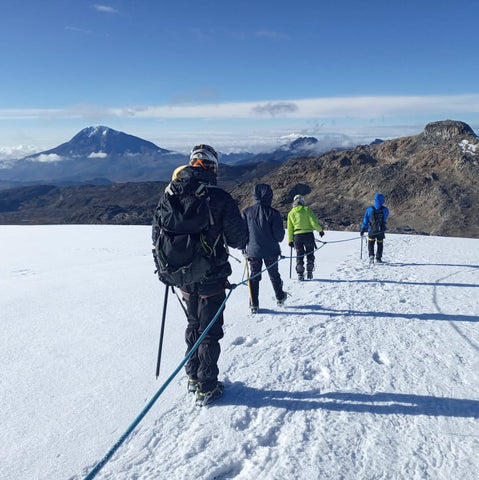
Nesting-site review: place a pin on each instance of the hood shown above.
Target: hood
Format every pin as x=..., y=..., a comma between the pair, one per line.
x=263, y=194
x=378, y=200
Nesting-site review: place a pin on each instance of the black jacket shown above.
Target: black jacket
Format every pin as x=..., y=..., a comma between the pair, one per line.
x=228, y=227
x=264, y=224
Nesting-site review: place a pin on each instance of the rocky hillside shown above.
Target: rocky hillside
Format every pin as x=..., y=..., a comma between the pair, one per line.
x=429, y=180
x=122, y=203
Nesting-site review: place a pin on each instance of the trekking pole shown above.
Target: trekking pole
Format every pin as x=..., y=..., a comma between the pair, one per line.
x=361, y=255
x=290, y=261
x=249, y=283
x=162, y=331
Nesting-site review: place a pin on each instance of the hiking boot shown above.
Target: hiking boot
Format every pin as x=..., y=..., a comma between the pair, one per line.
x=378, y=260
x=254, y=309
x=371, y=259
x=205, y=398
x=300, y=277
x=309, y=276
x=192, y=385
x=280, y=301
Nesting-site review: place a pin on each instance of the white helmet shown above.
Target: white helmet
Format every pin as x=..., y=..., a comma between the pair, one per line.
x=204, y=156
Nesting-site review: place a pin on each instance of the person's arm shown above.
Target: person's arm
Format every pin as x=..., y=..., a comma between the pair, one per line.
x=277, y=227
x=290, y=228
x=385, y=215
x=234, y=227
x=314, y=221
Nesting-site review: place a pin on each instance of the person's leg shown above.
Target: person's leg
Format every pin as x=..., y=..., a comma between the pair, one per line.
x=211, y=298
x=191, y=334
x=300, y=251
x=371, y=241
x=255, y=269
x=310, y=247
x=273, y=272
x=379, y=252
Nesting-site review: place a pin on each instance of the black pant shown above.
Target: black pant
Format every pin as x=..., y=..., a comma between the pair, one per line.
x=203, y=300
x=379, y=237
x=305, y=245
x=271, y=264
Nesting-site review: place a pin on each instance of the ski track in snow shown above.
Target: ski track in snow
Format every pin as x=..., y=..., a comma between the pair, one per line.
x=348, y=391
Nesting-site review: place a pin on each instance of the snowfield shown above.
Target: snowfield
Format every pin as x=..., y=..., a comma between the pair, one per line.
x=367, y=372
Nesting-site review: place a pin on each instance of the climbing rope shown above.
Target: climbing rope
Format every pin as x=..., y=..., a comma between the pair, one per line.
x=163, y=387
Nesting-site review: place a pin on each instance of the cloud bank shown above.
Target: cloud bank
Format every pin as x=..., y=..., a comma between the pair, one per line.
x=361, y=107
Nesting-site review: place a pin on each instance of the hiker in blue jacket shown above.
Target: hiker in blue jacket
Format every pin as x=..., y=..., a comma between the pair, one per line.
x=265, y=232
x=374, y=222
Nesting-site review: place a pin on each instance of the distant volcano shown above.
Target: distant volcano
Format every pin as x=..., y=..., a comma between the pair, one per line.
x=102, y=141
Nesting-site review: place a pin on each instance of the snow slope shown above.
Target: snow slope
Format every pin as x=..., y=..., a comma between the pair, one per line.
x=366, y=372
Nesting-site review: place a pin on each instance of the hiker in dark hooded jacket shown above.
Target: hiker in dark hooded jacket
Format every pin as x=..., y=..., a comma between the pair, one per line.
x=374, y=222
x=204, y=299
x=265, y=232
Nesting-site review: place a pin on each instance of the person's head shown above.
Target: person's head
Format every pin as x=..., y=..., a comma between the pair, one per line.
x=298, y=200
x=262, y=193
x=204, y=156
x=379, y=200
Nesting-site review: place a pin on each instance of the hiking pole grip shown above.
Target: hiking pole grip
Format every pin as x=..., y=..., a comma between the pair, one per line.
x=290, y=261
x=162, y=331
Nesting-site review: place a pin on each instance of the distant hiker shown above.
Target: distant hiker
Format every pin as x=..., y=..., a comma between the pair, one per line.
x=205, y=296
x=374, y=222
x=265, y=231
x=301, y=223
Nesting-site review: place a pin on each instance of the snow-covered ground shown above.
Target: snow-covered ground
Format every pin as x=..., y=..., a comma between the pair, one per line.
x=365, y=373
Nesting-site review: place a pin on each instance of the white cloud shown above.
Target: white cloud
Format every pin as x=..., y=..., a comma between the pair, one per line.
x=18, y=151
x=361, y=107
x=270, y=34
x=44, y=158
x=105, y=8
x=78, y=30
x=98, y=155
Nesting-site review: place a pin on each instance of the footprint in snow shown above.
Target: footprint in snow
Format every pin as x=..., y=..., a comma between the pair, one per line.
x=381, y=359
x=247, y=341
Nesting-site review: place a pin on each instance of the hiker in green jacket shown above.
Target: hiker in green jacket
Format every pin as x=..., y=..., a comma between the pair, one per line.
x=301, y=223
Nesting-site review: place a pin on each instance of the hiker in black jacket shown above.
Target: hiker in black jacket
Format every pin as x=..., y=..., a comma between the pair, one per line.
x=204, y=299
x=265, y=232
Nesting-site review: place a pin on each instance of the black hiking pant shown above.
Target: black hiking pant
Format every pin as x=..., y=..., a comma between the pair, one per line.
x=378, y=237
x=304, y=245
x=203, y=300
x=256, y=264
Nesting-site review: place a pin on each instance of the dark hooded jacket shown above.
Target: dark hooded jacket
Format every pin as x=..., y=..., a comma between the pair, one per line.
x=264, y=224
x=228, y=228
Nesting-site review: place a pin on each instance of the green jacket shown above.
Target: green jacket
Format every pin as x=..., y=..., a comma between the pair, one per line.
x=302, y=220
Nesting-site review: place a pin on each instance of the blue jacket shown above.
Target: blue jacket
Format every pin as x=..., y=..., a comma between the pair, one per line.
x=264, y=224
x=378, y=203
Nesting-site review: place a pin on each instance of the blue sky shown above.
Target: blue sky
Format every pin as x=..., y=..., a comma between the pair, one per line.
x=234, y=73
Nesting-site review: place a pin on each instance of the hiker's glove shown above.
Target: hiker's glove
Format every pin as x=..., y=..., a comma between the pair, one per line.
x=363, y=231
x=291, y=244
x=321, y=233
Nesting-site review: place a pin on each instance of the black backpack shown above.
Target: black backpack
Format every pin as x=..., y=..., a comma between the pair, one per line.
x=376, y=221
x=183, y=217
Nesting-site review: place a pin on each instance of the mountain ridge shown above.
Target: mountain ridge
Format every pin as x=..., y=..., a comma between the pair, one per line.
x=429, y=180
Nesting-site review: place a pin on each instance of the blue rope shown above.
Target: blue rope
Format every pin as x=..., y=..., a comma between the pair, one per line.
x=155, y=397
x=148, y=406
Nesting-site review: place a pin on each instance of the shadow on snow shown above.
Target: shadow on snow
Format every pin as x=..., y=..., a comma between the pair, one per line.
x=380, y=403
